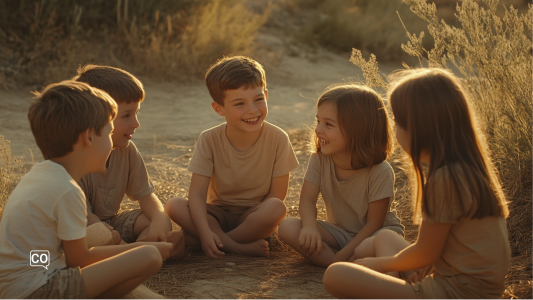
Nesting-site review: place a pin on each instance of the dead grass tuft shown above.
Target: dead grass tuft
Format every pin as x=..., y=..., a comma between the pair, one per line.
x=11, y=170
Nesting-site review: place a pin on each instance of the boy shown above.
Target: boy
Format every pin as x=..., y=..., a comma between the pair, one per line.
x=240, y=168
x=126, y=173
x=71, y=123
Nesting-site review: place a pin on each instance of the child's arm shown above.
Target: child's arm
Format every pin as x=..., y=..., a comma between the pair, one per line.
x=92, y=218
x=424, y=252
x=310, y=239
x=377, y=210
x=197, y=199
x=279, y=187
x=159, y=222
x=77, y=254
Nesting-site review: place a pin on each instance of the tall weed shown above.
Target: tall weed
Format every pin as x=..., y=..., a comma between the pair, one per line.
x=8, y=175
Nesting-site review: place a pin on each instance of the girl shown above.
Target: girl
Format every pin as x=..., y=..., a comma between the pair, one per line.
x=352, y=140
x=462, y=243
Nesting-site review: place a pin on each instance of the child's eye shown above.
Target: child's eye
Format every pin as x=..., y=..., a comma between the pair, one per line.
x=126, y=116
x=240, y=103
x=260, y=99
x=328, y=124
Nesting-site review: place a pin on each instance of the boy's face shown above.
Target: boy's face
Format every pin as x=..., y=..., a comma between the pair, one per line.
x=244, y=110
x=102, y=146
x=125, y=124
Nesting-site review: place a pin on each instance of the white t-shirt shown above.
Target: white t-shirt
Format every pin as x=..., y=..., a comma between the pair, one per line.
x=46, y=207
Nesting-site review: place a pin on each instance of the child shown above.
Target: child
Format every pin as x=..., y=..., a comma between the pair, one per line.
x=462, y=242
x=71, y=123
x=126, y=173
x=352, y=140
x=240, y=168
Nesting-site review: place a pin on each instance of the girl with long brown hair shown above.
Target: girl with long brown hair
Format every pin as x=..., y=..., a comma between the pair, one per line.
x=462, y=250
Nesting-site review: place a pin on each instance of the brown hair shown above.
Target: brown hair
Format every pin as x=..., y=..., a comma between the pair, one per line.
x=231, y=73
x=363, y=121
x=433, y=108
x=63, y=110
x=119, y=84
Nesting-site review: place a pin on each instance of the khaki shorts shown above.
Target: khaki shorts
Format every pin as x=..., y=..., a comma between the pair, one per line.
x=124, y=222
x=343, y=237
x=229, y=217
x=64, y=284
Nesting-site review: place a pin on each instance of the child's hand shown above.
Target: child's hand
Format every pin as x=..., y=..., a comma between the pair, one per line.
x=310, y=240
x=158, y=230
x=211, y=244
x=164, y=249
x=115, y=236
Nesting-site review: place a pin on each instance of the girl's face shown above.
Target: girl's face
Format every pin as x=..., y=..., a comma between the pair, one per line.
x=331, y=139
x=403, y=138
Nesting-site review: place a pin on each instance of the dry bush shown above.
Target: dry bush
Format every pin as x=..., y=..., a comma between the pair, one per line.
x=45, y=41
x=493, y=55
x=9, y=175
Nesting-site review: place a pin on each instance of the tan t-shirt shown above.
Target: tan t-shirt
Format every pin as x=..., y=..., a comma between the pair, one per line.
x=242, y=178
x=347, y=201
x=46, y=208
x=125, y=175
x=476, y=255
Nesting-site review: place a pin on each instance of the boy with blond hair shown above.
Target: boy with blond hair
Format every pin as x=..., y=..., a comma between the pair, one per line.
x=240, y=168
x=72, y=125
x=126, y=172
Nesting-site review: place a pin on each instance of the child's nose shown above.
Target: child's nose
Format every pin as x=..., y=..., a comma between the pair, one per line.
x=136, y=123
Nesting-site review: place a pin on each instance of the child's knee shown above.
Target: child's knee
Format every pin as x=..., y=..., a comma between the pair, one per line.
x=151, y=258
x=275, y=208
x=176, y=205
x=289, y=228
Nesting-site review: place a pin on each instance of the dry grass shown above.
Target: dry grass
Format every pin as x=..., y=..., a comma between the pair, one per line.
x=45, y=41
x=493, y=55
x=11, y=170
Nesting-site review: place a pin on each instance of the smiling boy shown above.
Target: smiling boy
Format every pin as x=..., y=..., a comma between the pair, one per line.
x=240, y=168
x=126, y=172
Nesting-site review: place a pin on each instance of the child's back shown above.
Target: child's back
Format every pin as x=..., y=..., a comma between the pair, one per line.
x=39, y=214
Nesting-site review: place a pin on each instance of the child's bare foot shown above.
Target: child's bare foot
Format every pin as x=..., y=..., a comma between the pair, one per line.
x=177, y=238
x=257, y=248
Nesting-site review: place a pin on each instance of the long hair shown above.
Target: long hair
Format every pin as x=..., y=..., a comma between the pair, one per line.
x=433, y=108
x=363, y=121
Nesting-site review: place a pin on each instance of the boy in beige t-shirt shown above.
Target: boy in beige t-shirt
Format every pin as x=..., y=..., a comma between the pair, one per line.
x=125, y=173
x=240, y=168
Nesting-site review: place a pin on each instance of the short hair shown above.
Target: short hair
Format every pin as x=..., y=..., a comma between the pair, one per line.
x=63, y=110
x=363, y=121
x=119, y=84
x=231, y=73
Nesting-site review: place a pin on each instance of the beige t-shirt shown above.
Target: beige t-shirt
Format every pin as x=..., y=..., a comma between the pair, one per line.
x=347, y=201
x=476, y=255
x=242, y=178
x=46, y=207
x=125, y=175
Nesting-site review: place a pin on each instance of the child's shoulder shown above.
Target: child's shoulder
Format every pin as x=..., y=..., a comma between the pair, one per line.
x=213, y=132
x=382, y=167
x=274, y=132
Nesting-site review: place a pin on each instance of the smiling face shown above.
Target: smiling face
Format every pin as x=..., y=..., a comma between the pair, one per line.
x=245, y=110
x=125, y=124
x=332, y=141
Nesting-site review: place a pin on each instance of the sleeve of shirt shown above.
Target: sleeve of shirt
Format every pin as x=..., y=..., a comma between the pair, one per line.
x=71, y=216
x=202, y=159
x=286, y=160
x=85, y=186
x=444, y=202
x=381, y=182
x=139, y=184
x=313, y=170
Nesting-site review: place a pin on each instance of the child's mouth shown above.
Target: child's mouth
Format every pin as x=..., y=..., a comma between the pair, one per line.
x=128, y=136
x=252, y=121
x=323, y=142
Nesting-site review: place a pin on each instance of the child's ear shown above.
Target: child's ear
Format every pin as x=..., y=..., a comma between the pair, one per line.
x=266, y=94
x=217, y=108
x=86, y=137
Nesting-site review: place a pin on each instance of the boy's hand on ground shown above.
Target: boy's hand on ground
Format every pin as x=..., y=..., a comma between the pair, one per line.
x=115, y=236
x=310, y=240
x=211, y=244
